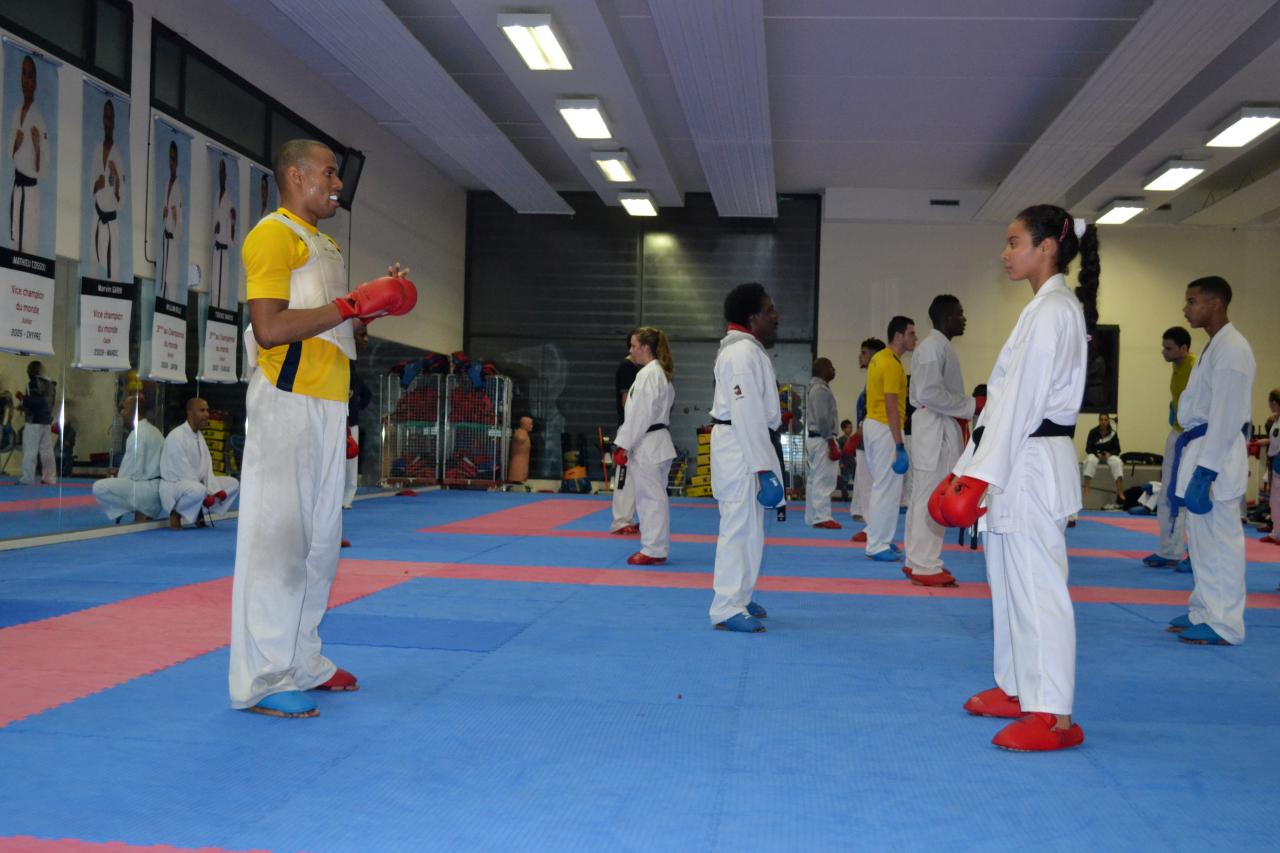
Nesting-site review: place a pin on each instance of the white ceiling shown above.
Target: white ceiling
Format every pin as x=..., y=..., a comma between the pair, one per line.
x=882, y=105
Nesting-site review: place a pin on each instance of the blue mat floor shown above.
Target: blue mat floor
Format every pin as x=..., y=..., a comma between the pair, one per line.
x=501, y=715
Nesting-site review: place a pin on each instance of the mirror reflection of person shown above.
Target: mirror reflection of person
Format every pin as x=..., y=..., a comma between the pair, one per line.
x=1103, y=448
x=38, y=404
x=171, y=215
x=135, y=488
x=107, y=184
x=29, y=149
x=224, y=237
x=187, y=481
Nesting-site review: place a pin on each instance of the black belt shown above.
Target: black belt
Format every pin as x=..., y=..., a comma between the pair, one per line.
x=21, y=180
x=104, y=216
x=168, y=235
x=656, y=427
x=813, y=434
x=719, y=422
x=1047, y=429
x=221, y=247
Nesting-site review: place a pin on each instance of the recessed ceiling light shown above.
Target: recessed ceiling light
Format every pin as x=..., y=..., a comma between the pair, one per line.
x=1173, y=175
x=584, y=117
x=1121, y=211
x=535, y=41
x=638, y=203
x=616, y=166
x=1243, y=126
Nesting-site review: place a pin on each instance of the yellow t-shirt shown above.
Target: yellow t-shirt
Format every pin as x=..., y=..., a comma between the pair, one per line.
x=886, y=376
x=313, y=367
x=1178, y=384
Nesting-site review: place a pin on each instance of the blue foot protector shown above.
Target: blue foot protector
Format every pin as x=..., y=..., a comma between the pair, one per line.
x=1183, y=621
x=741, y=623
x=888, y=555
x=1202, y=635
x=756, y=610
x=1184, y=566
x=289, y=703
x=1155, y=561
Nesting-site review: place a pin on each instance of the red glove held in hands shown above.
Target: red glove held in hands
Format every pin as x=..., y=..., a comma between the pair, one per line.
x=833, y=449
x=209, y=500
x=851, y=446
x=959, y=505
x=353, y=446
x=935, y=500
x=378, y=298
x=21, y=395
x=220, y=495
x=620, y=457
x=1255, y=448
x=978, y=404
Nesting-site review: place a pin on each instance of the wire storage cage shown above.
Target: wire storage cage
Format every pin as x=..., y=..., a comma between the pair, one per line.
x=477, y=431
x=791, y=398
x=412, y=424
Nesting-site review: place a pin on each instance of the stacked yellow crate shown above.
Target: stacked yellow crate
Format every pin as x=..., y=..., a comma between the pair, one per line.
x=700, y=482
x=219, y=441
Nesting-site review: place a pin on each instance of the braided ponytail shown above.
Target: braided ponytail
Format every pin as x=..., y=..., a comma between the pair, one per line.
x=1048, y=220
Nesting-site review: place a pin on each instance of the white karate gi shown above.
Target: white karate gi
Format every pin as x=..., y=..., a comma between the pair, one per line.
x=24, y=200
x=1034, y=486
x=938, y=393
x=290, y=529
x=861, y=482
x=1273, y=450
x=746, y=395
x=820, y=469
x=136, y=486
x=351, y=481
x=1218, y=394
x=649, y=455
x=172, y=285
x=107, y=201
x=187, y=478
x=220, y=280
x=881, y=508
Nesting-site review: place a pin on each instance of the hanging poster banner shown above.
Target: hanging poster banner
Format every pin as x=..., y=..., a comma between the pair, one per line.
x=222, y=284
x=171, y=167
x=29, y=181
x=264, y=198
x=106, y=238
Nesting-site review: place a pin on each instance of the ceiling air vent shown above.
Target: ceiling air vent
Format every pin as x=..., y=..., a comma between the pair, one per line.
x=944, y=202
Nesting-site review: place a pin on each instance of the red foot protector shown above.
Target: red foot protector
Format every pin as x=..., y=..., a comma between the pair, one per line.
x=1035, y=733
x=641, y=559
x=346, y=543
x=942, y=578
x=829, y=525
x=860, y=536
x=339, y=681
x=406, y=493
x=629, y=530
x=994, y=703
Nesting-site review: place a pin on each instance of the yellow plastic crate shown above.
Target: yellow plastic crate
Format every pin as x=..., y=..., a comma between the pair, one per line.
x=698, y=492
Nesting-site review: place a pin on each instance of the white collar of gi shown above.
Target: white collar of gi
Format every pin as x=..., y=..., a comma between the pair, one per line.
x=1057, y=281
x=733, y=336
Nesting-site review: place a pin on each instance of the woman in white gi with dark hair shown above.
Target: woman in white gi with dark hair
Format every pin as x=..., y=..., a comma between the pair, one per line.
x=1020, y=464
x=643, y=443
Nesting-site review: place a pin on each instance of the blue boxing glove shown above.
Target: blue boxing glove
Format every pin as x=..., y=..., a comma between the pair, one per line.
x=900, y=461
x=1275, y=467
x=769, y=494
x=1197, y=498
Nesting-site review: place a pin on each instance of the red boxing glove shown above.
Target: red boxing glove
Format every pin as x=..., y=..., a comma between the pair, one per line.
x=935, y=500
x=851, y=446
x=54, y=428
x=978, y=404
x=353, y=446
x=620, y=457
x=220, y=495
x=21, y=395
x=787, y=417
x=1255, y=448
x=378, y=298
x=959, y=505
x=833, y=449
x=209, y=500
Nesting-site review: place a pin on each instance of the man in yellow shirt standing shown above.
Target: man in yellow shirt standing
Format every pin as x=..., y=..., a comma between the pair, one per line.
x=301, y=343
x=1176, y=349
x=886, y=453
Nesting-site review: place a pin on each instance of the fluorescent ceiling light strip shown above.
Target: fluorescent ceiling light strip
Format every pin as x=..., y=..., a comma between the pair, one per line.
x=535, y=41
x=1121, y=211
x=638, y=204
x=1174, y=175
x=1247, y=125
x=584, y=118
x=615, y=165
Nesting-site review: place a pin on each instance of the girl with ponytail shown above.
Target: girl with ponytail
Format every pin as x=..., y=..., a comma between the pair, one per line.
x=1019, y=473
x=643, y=445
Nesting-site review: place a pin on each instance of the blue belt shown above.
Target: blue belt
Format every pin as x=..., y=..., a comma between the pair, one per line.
x=1188, y=435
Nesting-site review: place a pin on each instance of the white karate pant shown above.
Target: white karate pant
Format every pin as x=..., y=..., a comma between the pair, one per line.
x=1172, y=535
x=353, y=473
x=1275, y=505
x=186, y=497
x=1033, y=622
x=923, y=538
x=24, y=218
x=1114, y=464
x=1216, y=543
x=119, y=496
x=287, y=541
x=106, y=248
x=886, y=486
x=740, y=546
x=624, y=501
x=37, y=441
x=649, y=481
x=861, y=484
x=820, y=481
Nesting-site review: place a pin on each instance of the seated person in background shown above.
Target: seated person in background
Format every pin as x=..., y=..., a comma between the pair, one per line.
x=135, y=488
x=1103, y=446
x=187, y=482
